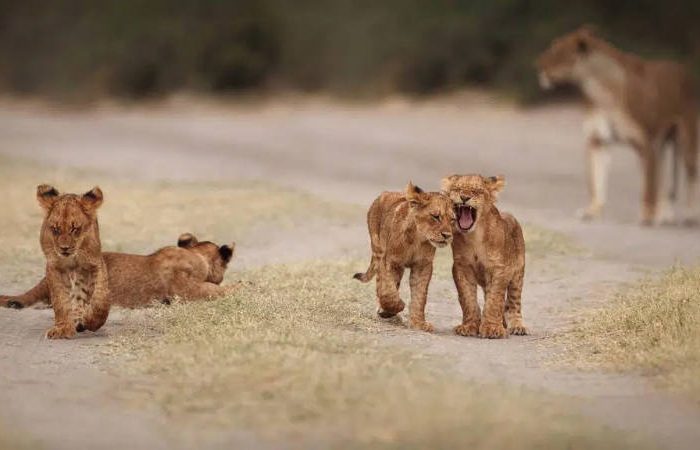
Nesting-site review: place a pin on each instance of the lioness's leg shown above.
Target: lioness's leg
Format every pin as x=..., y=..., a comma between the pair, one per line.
x=513, y=315
x=494, y=304
x=669, y=165
x=39, y=293
x=650, y=171
x=388, y=282
x=466, y=290
x=419, y=280
x=688, y=146
x=598, y=168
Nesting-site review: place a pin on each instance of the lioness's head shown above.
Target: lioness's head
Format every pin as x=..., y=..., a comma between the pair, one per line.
x=566, y=58
x=218, y=257
x=433, y=214
x=70, y=219
x=472, y=196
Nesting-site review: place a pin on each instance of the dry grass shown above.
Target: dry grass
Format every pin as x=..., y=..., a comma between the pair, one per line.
x=652, y=327
x=298, y=352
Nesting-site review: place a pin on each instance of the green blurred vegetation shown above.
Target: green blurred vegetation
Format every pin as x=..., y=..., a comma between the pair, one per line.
x=139, y=48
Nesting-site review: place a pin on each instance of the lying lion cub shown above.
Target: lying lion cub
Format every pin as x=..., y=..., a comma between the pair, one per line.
x=489, y=251
x=192, y=270
x=404, y=230
x=76, y=274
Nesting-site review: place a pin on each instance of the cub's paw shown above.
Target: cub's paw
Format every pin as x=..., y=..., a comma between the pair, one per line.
x=421, y=325
x=467, y=329
x=60, y=332
x=492, y=331
x=517, y=330
x=388, y=309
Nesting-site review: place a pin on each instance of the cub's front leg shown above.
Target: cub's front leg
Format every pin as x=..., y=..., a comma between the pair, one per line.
x=388, y=282
x=64, y=321
x=98, y=306
x=493, y=318
x=465, y=282
x=420, y=280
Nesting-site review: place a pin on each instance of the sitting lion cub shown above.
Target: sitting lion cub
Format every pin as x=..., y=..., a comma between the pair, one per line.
x=192, y=270
x=489, y=251
x=404, y=230
x=76, y=274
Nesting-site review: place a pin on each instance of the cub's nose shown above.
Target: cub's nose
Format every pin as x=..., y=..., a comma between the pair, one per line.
x=464, y=198
x=446, y=235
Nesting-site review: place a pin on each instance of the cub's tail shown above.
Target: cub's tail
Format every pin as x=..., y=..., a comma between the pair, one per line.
x=371, y=272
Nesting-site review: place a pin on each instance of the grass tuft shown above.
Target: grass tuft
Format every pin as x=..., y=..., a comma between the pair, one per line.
x=652, y=327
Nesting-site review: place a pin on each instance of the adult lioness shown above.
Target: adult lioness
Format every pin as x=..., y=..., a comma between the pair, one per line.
x=489, y=251
x=649, y=105
x=192, y=270
x=76, y=274
x=404, y=230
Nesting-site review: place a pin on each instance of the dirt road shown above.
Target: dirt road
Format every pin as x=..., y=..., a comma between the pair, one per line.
x=350, y=153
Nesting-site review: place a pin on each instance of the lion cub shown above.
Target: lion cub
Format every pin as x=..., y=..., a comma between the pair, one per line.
x=489, y=251
x=404, y=230
x=192, y=270
x=76, y=273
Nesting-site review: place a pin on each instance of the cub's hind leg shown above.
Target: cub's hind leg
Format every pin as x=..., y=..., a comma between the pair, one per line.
x=513, y=311
x=388, y=283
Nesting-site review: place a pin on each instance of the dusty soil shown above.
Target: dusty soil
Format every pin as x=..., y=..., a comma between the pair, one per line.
x=58, y=392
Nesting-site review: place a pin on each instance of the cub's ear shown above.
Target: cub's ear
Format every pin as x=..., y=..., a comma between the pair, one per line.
x=187, y=240
x=495, y=184
x=226, y=252
x=46, y=195
x=92, y=199
x=414, y=195
x=447, y=182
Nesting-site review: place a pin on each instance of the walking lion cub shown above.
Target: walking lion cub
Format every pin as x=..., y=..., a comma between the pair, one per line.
x=404, y=230
x=76, y=273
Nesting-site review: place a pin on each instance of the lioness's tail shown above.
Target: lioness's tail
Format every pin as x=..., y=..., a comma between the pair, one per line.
x=369, y=274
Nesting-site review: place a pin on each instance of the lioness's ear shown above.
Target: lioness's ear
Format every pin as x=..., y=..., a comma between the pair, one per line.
x=92, y=199
x=187, y=240
x=495, y=184
x=447, y=182
x=226, y=252
x=46, y=195
x=414, y=194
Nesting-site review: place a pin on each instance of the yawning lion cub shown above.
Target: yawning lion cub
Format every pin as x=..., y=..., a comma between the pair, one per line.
x=489, y=251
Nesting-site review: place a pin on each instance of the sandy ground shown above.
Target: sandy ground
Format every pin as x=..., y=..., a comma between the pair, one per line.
x=58, y=392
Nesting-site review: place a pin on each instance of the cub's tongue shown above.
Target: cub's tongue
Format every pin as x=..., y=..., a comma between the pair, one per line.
x=465, y=218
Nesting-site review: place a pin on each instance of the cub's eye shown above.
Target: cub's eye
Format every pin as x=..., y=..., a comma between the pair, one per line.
x=55, y=230
x=436, y=217
x=75, y=230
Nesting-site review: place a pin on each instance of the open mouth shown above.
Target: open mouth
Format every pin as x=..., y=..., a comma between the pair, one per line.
x=466, y=217
x=65, y=253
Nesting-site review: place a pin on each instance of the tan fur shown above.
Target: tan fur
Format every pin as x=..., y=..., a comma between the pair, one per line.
x=404, y=230
x=490, y=254
x=76, y=275
x=192, y=270
x=645, y=104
